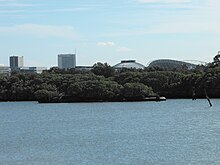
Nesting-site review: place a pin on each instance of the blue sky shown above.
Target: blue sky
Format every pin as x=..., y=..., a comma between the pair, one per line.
x=109, y=31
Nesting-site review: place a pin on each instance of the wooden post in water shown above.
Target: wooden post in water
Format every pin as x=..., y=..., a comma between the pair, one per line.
x=193, y=94
x=207, y=97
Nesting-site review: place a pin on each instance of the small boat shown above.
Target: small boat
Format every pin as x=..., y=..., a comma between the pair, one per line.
x=155, y=98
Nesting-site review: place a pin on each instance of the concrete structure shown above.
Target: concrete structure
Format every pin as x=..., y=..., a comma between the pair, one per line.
x=171, y=64
x=66, y=61
x=38, y=70
x=5, y=70
x=16, y=62
x=129, y=64
x=84, y=68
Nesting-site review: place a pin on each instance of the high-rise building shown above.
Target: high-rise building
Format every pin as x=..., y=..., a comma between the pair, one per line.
x=66, y=61
x=16, y=62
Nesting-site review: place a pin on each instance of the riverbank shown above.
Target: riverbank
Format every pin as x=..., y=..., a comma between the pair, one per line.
x=75, y=100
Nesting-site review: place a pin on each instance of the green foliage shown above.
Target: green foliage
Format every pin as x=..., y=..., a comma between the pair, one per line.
x=95, y=89
x=45, y=95
x=103, y=83
x=103, y=69
x=136, y=90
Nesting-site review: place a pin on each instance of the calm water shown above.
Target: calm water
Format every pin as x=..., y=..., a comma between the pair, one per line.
x=171, y=132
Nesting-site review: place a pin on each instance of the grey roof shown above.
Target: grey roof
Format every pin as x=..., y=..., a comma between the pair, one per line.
x=129, y=64
x=171, y=64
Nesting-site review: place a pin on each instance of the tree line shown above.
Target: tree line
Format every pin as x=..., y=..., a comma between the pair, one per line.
x=107, y=84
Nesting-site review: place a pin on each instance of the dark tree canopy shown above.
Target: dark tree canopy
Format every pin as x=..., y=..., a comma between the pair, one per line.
x=103, y=69
x=104, y=83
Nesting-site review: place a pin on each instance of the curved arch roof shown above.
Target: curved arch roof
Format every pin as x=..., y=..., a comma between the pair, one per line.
x=129, y=64
x=171, y=64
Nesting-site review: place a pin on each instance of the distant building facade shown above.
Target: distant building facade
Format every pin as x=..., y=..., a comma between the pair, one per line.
x=5, y=70
x=16, y=62
x=129, y=64
x=84, y=68
x=38, y=70
x=67, y=61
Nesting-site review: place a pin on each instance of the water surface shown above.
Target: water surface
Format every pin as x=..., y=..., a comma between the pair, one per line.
x=137, y=133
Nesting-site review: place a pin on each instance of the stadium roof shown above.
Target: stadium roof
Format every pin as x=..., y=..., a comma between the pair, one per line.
x=129, y=64
x=171, y=64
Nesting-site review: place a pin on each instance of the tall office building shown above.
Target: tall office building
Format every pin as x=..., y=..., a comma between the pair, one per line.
x=16, y=62
x=66, y=61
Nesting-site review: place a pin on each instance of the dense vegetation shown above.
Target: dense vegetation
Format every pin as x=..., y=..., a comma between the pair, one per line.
x=105, y=84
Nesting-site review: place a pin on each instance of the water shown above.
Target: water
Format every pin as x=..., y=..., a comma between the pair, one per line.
x=140, y=133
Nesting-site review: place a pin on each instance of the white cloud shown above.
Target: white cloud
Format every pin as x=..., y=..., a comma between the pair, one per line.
x=23, y=11
x=190, y=27
x=164, y=1
x=16, y=5
x=11, y=11
x=77, y=9
x=7, y=0
x=123, y=49
x=200, y=19
x=116, y=47
x=106, y=44
x=177, y=27
x=40, y=30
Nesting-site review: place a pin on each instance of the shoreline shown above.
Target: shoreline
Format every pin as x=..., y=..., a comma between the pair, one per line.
x=153, y=98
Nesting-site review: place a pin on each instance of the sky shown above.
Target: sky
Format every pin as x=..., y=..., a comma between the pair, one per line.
x=109, y=30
